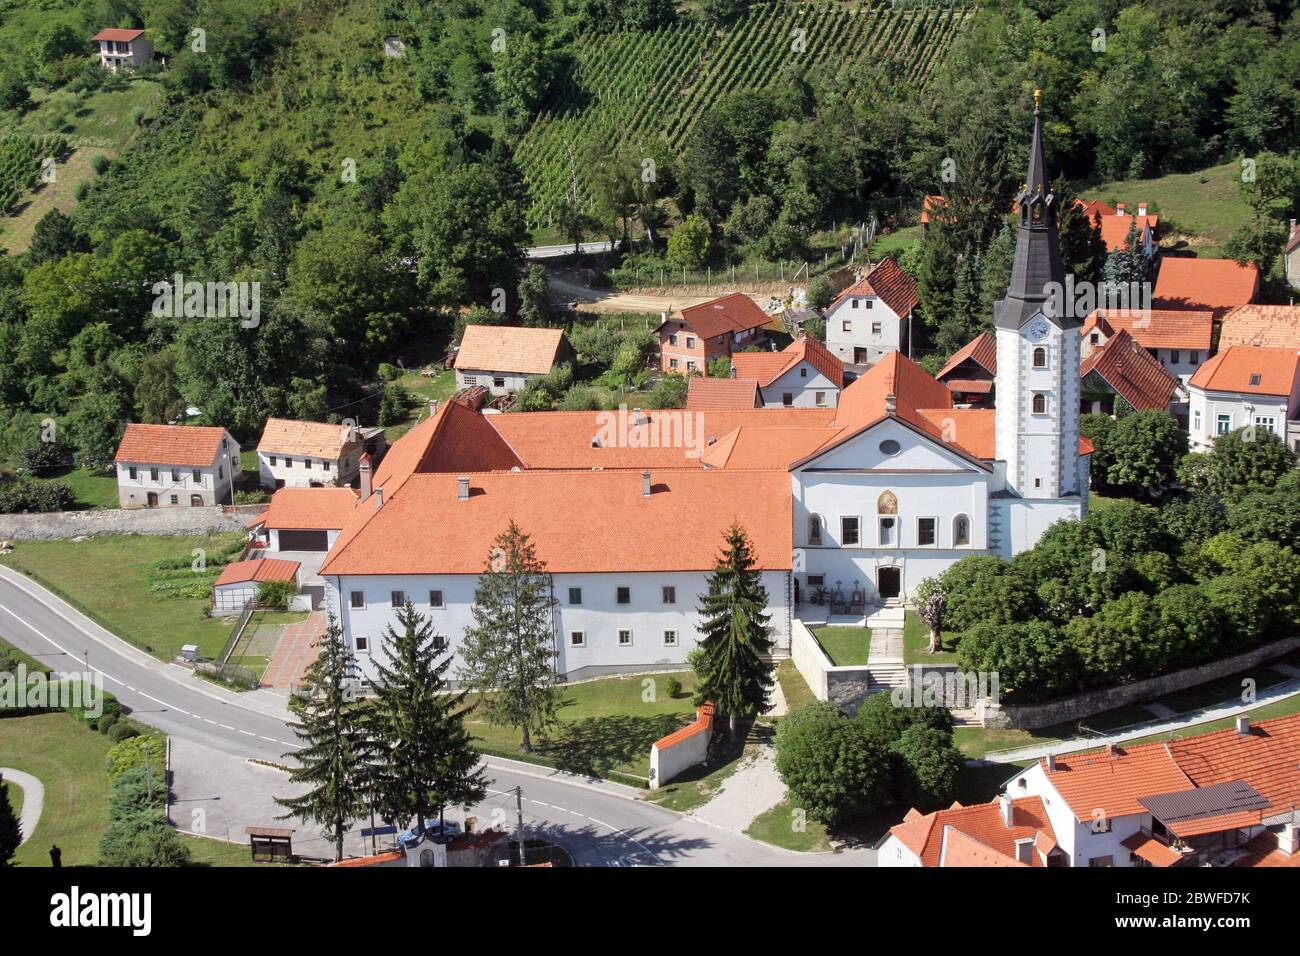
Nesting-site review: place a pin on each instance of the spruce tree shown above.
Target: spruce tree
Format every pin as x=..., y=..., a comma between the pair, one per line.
x=333, y=759
x=427, y=759
x=731, y=669
x=10, y=831
x=509, y=653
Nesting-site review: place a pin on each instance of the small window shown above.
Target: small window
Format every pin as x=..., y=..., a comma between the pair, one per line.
x=153, y=474
x=176, y=476
x=1040, y=357
x=362, y=644
x=803, y=371
x=1094, y=338
x=221, y=471
x=888, y=529
x=176, y=499
x=132, y=472
x=670, y=638
x=197, y=476
x=672, y=339
x=624, y=638
x=672, y=363
x=868, y=303
x=398, y=598
x=498, y=381
x=670, y=594
x=1196, y=421
x=787, y=399
x=357, y=599
x=577, y=638
x=820, y=399
x=690, y=342
x=624, y=595
x=435, y=599
x=439, y=642
x=471, y=379
x=875, y=328
x=690, y=366
x=273, y=461
x=325, y=466
x=847, y=325
x=816, y=580
x=814, y=529
x=306, y=464
x=1175, y=356
x=288, y=462
x=855, y=302
x=1223, y=424
x=925, y=532
x=960, y=531
x=1040, y=403
x=1194, y=357
x=1255, y=378
x=850, y=531
x=890, y=447
x=575, y=595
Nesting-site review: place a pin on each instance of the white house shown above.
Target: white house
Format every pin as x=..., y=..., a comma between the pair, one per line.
x=503, y=358
x=805, y=374
x=123, y=49
x=237, y=585
x=298, y=454
x=169, y=466
x=1244, y=386
x=872, y=317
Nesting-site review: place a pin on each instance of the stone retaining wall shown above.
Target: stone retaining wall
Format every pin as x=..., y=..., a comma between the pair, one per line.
x=845, y=686
x=55, y=525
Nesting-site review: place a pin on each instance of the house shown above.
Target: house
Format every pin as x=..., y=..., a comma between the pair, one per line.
x=169, y=466
x=1244, y=385
x=123, y=49
x=1291, y=257
x=691, y=338
x=1217, y=799
x=1181, y=340
x=236, y=587
x=1121, y=367
x=1003, y=832
x=503, y=358
x=722, y=393
x=1204, y=285
x=1115, y=228
x=298, y=454
x=1094, y=208
x=805, y=374
x=971, y=371
x=1267, y=326
x=304, y=519
x=872, y=317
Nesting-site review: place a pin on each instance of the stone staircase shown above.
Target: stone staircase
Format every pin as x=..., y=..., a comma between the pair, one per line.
x=885, y=668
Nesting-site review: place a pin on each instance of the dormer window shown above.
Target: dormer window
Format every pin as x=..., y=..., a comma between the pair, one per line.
x=1255, y=378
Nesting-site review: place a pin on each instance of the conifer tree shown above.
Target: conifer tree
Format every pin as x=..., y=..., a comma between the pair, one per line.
x=730, y=665
x=10, y=831
x=333, y=759
x=509, y=653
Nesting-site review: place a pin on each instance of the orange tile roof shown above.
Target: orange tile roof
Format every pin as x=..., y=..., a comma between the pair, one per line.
x=1114, y=229
x=702, y=723
x=1158, y=328
x=1234, y=369
x=258, y=569
x=1236, y=820
x=508, y=348
x=1150, y=849
x=930, y=207
x=121, y=36
x=379, y=859
x=580, y=521
x=1269, y=326
x=454, y=438
x=1112, y=782
x=970, y=386
x=195, y=446
x=1215, y=285
x=721, y=393
x=982, y=350
x=766, y=447
x=1267, y=758
x=1131, y=371
x=766, y=367
x=888, y=282
x=959, y=849
x=730, y=313
x=308, y=509
x=1263, y=851
x=1092, y=207
x=923, y=834
x=312, y=439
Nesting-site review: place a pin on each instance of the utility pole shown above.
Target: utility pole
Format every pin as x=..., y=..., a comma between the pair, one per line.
x=519, y=829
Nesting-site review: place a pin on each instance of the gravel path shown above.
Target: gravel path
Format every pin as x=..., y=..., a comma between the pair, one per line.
x=752, y=789
x=33, y=799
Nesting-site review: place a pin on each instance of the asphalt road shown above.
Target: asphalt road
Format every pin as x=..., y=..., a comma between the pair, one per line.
x=564, y=249
x=599, y=822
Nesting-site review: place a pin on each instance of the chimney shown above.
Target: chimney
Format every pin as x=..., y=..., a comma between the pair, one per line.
x=1051, y=763
x=1288, y=841
x=1025, y=851
x=595, y=441
x=645, y=484
x=365, y=476
x=1243, y=726
x=379, y=498
x=462, y=488
x=1006, y=811
x=433, y=407
x=1142, y=209
x=1293, y=227
x=637, y=418
x=1119, y=209
x=891, y=403
x=1110, y=750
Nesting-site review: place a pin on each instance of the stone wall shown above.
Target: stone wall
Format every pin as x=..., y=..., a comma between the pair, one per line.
x=845, y=686
x=1077, y=706
x=76, y=524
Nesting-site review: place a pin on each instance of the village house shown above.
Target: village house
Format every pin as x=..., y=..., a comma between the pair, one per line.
x=123, y=49
x=691, y=338
x=1291, y=257
x=1116, y=224
x=873, y=316
x=971, y=372
x=1246, y=385
x=1204, y=285
x=298, y=454
x=504, y=358
x=236, y=587
x=169, y=466
x=805, y=374
x=1121, y=368
x=1180, y=340
x=1003, y=832
x=1266, y=326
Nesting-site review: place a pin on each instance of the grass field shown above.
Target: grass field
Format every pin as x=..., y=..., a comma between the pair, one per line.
x=916, y=639
x=793, y=686
x=894, y=243
x=845, y=646
x=784, y=826
x=68, y=758
x=107, y=578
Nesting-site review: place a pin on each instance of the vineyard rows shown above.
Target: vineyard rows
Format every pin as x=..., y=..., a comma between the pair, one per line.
x=635, y=86
x=21, y=159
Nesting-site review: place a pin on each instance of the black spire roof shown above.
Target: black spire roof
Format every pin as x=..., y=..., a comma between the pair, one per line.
x=1038, y=254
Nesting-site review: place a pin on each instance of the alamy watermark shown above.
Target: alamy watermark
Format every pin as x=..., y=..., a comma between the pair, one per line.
x=179, y=298
x=665, y=428
x=952, y=689
x=21, y=689
x=1079, y=300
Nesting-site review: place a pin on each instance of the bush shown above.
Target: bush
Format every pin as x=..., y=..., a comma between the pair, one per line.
x=41, y=456
x=131, y=754
x=833, y=767
x=276, y=594
x=1033, y=661
x=122, y=731
x=389, y=373
x=674, y=687
x=928, y=768
x=100, y=163
x=25, y=495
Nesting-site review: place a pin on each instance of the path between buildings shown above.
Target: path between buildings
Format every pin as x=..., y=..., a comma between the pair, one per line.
x=755, y=787
x=294, y=653
x=33, y=800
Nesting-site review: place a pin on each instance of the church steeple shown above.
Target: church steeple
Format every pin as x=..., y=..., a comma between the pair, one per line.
x=1038, y=254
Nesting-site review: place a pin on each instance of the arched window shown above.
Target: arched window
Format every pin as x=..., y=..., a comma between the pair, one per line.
x=1040, y=403
x=960, y=531
x=814, y=529
x=1040, y=357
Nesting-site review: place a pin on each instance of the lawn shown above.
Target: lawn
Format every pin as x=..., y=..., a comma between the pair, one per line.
x=783, y=826
x=94, y=487
x=423, y=389
x=916, y=638
x=845, y=646
x=107, y=578
x=1278, y=708
x=606, y=727
x=15, y=794
x=895, y=242
x=68, y=758
x=793, y=686
x=1220, y=691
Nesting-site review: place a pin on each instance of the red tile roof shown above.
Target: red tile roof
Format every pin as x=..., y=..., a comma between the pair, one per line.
x=721, y=393
x=507, y=348
x=959, y=849
x=1150, y=849
x=1267, y=758
x=970, y=386
x=1214, y=285
x=258, y=569
x=308, y=509
x=703, y=723
x=1269, y=326
x=982, y=823
x=1111, y=783
x=731, y=313
x=1157, y=328
x=312, y=439
x=761, y=446
x=982, y=350
x=454, y=438
x=888, y=282
x=1234, y=369
x=1263, y=850
x=1131, y=371
x=767, y=367
x=195, y=446
x=121, y=36
x=1092, y=207
x=1114, y=229
x=930, y=208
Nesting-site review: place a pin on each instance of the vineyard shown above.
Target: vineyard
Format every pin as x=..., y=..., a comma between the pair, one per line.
x=21, y=159
x=634, y=85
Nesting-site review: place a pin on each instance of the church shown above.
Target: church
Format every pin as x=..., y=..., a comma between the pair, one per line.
x=847, y=507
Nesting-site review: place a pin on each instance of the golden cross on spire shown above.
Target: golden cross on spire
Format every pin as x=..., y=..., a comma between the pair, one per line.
x=1038, y=98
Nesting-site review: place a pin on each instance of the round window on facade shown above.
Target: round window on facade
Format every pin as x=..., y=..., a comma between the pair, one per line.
x=890, y=447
